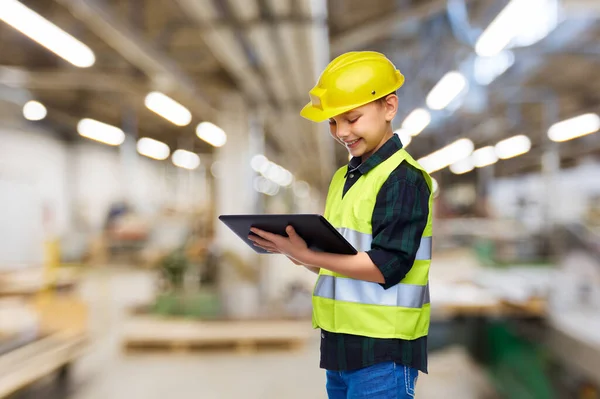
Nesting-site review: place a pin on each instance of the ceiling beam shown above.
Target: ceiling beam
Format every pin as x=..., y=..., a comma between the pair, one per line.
x=228, y=49
x=362, y=36
x=225, y=46
x=132, y=46
x=71, y=80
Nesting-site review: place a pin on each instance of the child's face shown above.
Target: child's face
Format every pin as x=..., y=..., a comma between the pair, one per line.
x=365, y=129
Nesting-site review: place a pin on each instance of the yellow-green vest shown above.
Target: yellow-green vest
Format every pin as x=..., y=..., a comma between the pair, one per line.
x=350, y=306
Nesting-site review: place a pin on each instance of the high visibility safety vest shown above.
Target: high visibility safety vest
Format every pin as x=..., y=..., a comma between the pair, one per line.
x=350, y=306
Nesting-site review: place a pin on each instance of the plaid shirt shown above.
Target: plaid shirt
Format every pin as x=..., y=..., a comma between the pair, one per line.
x=398, y=221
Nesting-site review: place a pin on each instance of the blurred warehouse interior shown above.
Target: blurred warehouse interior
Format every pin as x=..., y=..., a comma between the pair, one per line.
x=128, y=126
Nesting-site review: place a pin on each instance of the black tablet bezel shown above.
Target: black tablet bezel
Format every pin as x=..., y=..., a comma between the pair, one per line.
x=326, y=238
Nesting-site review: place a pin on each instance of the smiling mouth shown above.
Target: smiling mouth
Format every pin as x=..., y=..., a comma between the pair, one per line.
x=351, y=144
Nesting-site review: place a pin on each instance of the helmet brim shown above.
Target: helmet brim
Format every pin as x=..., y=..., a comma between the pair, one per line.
x=318, y=115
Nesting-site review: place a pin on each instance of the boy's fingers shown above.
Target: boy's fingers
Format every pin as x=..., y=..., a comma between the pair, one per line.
x=291, y=232
x=269, y=249
x=261, y=241
x=263, y=234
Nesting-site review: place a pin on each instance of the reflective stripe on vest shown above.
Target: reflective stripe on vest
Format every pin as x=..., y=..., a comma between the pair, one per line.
x=362, y=242
x=368, y=293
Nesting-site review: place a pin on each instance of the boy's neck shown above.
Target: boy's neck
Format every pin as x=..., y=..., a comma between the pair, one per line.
x=388, y=135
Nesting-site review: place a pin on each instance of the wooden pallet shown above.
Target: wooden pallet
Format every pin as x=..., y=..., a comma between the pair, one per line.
x=151, y=333
x=29, y=363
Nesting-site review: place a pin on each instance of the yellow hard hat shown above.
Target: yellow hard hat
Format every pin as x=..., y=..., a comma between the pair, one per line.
x=351, y=80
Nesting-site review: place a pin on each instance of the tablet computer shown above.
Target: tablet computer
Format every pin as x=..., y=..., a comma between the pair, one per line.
x=318, y=233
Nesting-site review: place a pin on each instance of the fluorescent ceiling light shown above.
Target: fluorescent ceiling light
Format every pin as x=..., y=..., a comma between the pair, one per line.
x=258, y=162
x=277, y=174
x=301, y=189
x=186, y=159
x=216, y=170
x=446, y=90
x=168, y=108
x=435, y=186
x=488, y=69
x=448, y=155
x=484, y=157
x=286, y=179
x=34, y=111
x=521, y=23
x=575, y=127
x=101, y=132
x=46, y=33
x=404, y=136
x=462, y=166
x=265, y=186
x=416, y=121
x=512, y=147
x=272, y=171
x=212, y=134
x=153, y=148
x=545, y=20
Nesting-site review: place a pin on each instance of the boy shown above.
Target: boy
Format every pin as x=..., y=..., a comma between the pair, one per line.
x=372, y=308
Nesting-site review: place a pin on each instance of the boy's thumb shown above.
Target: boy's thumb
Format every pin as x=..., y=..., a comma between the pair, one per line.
x=290, y=231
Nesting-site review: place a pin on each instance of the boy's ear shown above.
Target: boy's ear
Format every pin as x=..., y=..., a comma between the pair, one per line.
x=391, y=107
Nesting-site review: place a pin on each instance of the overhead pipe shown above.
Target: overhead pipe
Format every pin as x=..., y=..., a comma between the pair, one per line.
x=458, y=15
x=70, y=80
x=226, y=47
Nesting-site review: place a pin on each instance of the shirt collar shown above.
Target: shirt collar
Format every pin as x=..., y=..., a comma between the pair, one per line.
x=388, y=149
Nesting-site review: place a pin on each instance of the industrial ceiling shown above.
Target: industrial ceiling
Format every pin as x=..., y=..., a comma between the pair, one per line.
x=270, y=53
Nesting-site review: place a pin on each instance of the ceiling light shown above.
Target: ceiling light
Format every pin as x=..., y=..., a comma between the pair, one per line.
x=216, y=170
x=258, y=162
x=212, y=134
x=186, y=159
x=34, y=111
x=301, y=189
x=484, y=157
x=168, y=108
x=153, y=149
x=271, y=171
x=448, y=155
x=416, y=121
x=287, y=178
x=574, y=127
x=487, y=69
x=278, y=175
x=512, y=147
x=446, y=90
x=265, y=186
x=404, y=136
x=521, y=22
x=435, y=186
x=46, y=33
x=462, y=166
x=101, y=132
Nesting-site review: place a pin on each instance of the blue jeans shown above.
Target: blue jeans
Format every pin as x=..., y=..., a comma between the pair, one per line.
x=386, y=380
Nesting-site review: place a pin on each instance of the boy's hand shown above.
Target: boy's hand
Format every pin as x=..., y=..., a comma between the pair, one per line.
x=293, y=246
x=294, y=261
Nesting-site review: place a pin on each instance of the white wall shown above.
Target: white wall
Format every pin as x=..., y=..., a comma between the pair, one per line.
x=37, y=170
x=32, y=176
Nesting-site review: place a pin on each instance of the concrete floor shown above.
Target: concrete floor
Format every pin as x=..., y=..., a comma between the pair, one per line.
x=105, y=372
